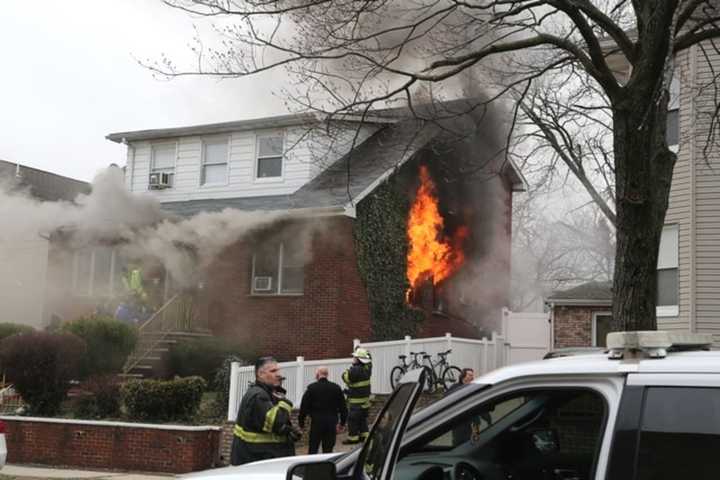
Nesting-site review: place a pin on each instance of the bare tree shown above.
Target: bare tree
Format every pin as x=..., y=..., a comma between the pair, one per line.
x=550, y=254
x=350, y=56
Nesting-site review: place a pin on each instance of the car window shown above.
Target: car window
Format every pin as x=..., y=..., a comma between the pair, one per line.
x=525, y=436
x=680, y=434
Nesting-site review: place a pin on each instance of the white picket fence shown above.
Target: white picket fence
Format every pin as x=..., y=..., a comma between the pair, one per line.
x=481, y=355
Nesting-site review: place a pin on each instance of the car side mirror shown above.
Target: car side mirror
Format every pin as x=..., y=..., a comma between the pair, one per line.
x=546, y=441
x=312, y=471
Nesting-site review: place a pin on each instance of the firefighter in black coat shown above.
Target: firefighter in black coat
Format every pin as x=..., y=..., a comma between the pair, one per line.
x=357, y=379
x=325, y=403
x=263, y=428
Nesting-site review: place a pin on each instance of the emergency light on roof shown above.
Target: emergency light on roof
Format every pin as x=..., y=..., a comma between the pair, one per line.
x=654, y=344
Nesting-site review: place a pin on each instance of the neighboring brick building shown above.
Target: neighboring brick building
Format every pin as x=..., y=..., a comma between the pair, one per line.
x=581, y=315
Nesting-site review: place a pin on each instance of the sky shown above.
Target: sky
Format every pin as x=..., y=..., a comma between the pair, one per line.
x=71, y=76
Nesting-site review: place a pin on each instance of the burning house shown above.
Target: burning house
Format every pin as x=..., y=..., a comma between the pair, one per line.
x=299, y=243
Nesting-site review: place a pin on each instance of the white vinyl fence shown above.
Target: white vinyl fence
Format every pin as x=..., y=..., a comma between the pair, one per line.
x=481, y=355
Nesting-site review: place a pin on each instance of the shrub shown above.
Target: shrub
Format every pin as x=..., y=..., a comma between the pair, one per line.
x=163, y=400
x=200, y=357
x=109, y=342
x=102, y=400
x=8, y=329
x=222, y=384
x=41, y=366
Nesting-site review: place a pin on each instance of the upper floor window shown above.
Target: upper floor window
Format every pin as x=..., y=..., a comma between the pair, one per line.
x=163, y=162
x=667, y=296
x=214, y=161
x=278, y=268
x=269, y=156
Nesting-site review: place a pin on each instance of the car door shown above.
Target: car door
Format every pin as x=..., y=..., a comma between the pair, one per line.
x=668, y=427
x=531, y=428
x=379, y=453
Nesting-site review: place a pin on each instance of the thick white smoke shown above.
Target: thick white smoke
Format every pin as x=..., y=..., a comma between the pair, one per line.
x=134, y=223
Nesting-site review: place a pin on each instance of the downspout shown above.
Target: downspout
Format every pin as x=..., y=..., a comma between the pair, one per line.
x=552, y=326
x=131, y=161
x=692, y=321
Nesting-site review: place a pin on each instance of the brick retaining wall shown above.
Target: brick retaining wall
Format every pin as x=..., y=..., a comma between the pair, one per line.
x=111, y=445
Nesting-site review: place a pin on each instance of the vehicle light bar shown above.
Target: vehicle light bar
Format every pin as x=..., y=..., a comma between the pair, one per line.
x=654, y=344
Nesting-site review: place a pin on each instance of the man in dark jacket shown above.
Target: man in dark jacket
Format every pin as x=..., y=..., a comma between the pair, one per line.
x=325, y=403
x=357, y=379
x=263, y=429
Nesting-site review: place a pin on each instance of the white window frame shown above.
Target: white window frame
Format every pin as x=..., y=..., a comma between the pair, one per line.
x=90, y=291
x=203, y=163
x=153, y=147
x=594, y=324
x=279, y=178
x=671, y=310
x=277, y=287
x=674, y=106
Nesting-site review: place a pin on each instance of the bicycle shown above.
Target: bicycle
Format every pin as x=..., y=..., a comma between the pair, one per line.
x=440, y=374
x=397, y=372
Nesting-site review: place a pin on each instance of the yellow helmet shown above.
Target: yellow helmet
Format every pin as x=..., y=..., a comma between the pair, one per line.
x=362, y=355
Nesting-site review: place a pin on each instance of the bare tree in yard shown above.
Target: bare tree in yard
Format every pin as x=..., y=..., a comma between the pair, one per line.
x=551, y=254
x=351, y=56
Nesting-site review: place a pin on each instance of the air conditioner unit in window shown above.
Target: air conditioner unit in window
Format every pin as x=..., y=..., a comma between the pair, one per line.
x=159, y=180
x=262, y=284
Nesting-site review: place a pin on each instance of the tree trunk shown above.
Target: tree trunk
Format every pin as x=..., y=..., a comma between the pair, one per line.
x=644, y=167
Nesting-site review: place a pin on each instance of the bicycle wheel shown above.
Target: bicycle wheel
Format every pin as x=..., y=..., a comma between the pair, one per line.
x=430, y=380
x=451, y=376
x=395, y=375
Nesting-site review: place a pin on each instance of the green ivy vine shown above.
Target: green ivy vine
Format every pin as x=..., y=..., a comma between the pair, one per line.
x=381, y=246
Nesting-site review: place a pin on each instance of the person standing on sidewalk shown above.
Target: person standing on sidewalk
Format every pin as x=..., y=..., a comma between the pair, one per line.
x=263, y=429
x=324, y=402
x=357, y=379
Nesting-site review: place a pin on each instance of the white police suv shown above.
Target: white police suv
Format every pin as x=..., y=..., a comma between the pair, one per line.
x=647, y=409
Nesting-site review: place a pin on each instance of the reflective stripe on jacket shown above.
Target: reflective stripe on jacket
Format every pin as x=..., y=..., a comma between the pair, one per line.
x=357, y=379
x=262, y=418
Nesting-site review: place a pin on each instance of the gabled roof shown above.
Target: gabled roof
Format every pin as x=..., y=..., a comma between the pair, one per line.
x=590, y=293
x=42, y=185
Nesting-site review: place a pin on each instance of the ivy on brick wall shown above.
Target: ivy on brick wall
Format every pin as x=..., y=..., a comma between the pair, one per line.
x=381, y=246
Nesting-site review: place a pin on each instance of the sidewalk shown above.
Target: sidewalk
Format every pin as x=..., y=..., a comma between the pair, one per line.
x=38, y=473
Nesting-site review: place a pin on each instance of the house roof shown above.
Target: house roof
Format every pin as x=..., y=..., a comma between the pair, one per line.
x=42, y=185
x=590, y=293
x=278, y=121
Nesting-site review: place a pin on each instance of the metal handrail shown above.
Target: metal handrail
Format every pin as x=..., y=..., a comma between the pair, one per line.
x=151, y=322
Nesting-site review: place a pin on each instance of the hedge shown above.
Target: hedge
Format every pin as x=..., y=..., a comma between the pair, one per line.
x=163, y=400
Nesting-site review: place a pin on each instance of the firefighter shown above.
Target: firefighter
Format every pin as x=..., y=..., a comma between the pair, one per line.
x=357, y=379
x=133, y=282
x=263, y=429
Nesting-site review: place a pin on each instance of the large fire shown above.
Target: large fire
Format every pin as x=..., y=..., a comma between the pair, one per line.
x=431, y=254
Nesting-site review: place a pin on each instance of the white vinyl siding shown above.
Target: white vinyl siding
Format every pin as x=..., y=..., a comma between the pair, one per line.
x=301, y=160
x=214, y=161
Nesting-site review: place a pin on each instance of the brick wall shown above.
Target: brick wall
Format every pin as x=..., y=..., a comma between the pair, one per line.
x=111, y=445
x=320, y=323
x=572, y=325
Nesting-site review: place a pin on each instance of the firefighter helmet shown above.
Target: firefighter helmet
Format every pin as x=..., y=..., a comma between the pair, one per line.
x=362, y=355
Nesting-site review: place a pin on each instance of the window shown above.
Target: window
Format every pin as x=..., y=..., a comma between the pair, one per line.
x=214, y=161
x=95, y=271
x=163, y=160
x=667, y=302
x=680, y=434
x=269, y=156
x=673, y=126
x=601, y=327
x=523, y=435
x=278, y=268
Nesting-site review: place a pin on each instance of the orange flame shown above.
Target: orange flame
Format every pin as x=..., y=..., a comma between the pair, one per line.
x=431, y=255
